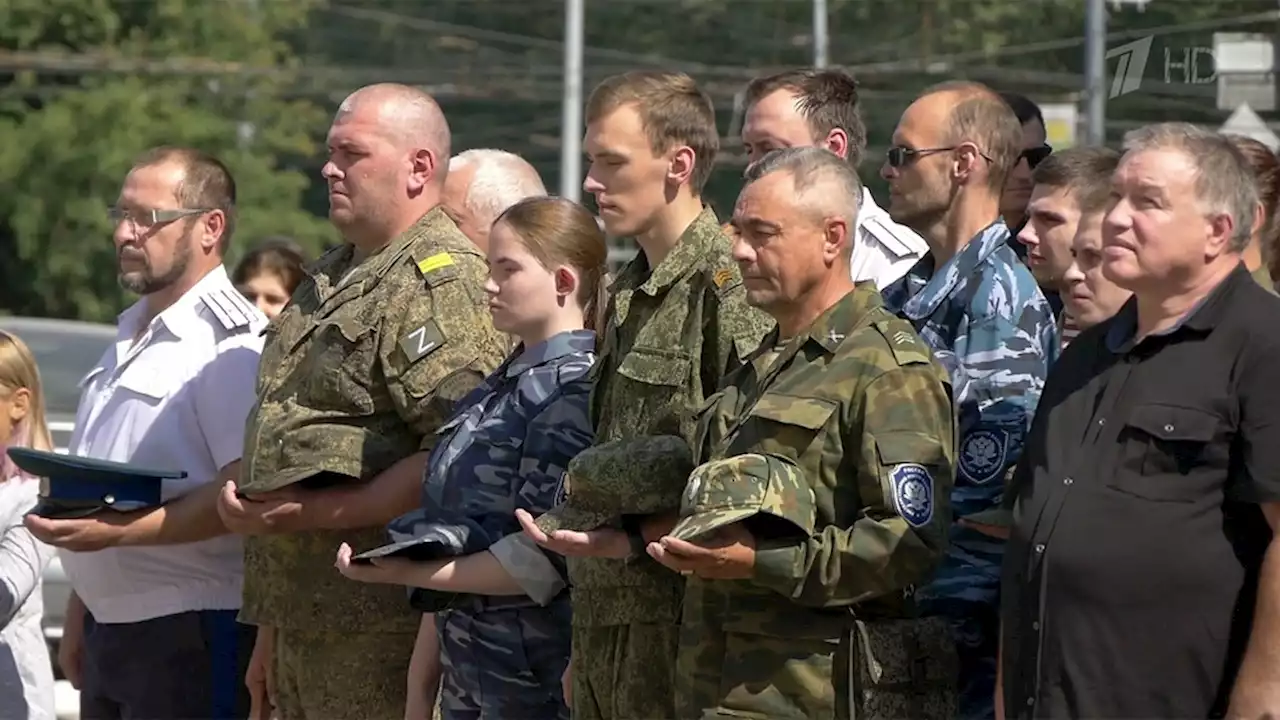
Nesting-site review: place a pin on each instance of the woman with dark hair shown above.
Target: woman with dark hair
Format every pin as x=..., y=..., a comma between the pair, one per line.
x=268, y=274
x=1260, y=256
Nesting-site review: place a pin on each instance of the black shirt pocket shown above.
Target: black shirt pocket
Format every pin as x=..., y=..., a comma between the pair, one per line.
x=1164, y=450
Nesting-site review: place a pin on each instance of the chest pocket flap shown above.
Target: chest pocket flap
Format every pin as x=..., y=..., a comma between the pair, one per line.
x=653, y=366
x=808, y=413
x=785, y=424
x=1174, y=423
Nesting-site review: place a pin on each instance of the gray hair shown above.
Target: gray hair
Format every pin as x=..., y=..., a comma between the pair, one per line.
x=810, y=167
x=1224, y=181
x=502, y=179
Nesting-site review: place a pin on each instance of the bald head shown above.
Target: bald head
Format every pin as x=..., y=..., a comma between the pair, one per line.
x=409, y=117
x=482, y=184
x=974, y=113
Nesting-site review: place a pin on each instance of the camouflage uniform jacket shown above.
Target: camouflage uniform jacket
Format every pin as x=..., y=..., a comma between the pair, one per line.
x=991, y=326
x=670, y=336
x=359, y=371
x=862, y=408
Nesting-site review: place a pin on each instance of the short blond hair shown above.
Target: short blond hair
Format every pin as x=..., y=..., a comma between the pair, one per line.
x=673, y=110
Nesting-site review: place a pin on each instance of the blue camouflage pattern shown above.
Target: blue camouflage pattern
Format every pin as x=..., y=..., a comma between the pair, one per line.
x=990, y=325
x=507, y=447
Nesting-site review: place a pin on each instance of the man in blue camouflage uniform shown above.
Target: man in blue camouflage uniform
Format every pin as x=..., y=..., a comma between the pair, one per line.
x=980, y=310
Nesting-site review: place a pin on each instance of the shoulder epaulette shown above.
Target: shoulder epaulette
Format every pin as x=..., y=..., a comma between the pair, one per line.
x=724, y=273
x=231, y=309
x=436, y=268
x=906, y=346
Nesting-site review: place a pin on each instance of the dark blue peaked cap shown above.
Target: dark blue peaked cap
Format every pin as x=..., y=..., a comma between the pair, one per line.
x=417, y=537
x=80, y=485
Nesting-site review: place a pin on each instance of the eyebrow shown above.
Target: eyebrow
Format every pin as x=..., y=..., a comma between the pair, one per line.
x=754, y=223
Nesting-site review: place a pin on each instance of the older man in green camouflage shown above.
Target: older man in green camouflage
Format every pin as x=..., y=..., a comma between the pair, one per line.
x=676, y=323
x=360, y=369
x=829, y=458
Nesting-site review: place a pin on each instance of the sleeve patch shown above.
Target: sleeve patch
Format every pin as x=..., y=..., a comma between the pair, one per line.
x=422, y=341
x=983, y=455
x=912, y=493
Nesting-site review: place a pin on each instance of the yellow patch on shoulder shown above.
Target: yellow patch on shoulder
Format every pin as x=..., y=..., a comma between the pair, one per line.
x=722, y=276
x=435, y=262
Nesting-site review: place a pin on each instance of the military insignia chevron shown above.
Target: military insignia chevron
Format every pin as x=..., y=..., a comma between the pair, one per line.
x=722, y=276
x=422, y=341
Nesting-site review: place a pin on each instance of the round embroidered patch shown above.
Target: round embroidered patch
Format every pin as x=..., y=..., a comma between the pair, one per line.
x=982, y=455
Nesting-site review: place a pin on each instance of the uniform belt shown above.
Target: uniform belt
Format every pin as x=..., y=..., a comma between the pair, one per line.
x=486, y=603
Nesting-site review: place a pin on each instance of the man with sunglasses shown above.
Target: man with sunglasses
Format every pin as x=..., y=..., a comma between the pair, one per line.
x=979, y=308
x=1033, y=150
x=151, y=626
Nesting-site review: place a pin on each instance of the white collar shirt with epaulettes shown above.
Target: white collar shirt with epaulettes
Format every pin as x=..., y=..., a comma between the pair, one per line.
x=885, y=250
x=176, y=397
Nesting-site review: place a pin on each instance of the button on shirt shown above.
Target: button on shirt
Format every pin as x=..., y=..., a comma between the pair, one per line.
x=1137, y=540
x=885, y=249
x=990, y=326
x=177, y=397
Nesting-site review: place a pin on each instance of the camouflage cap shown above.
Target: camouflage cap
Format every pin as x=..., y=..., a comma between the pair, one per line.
x=767, y=489
x=631, y=476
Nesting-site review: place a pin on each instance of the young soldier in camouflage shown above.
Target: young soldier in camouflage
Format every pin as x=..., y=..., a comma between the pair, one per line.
x=386, y=334
x=676, y=322
x=813, y=614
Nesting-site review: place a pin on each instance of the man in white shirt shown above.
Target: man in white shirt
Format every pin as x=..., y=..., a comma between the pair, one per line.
x=805, y=108
x=151, y=629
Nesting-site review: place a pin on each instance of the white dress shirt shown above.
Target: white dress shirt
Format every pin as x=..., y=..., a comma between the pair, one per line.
x=175, y=399
x=885, y=250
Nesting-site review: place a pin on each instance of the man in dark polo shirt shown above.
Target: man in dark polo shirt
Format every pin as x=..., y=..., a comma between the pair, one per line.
x=1142, y=501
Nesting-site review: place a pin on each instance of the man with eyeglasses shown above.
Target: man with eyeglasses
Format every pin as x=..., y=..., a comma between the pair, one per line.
x=151, y=626
x=980, y=310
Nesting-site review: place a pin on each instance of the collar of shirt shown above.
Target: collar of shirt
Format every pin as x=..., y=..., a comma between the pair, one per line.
x=180, y=317
x=929, y=288
x=1202, y=316
x=434, y=224
x=553, y=348
x=690, y=248
x=876, y=226
x=831, y=327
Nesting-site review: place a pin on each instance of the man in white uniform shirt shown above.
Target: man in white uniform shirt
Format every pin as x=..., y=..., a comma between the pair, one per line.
x=806, y=108
x=151, y=628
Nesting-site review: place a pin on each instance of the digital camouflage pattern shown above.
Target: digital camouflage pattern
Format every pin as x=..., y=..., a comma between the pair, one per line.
x=628, y=476
x=744, y=488
x=671, y=333
x=357, y=374
x=984, y=315
x=861, y=408
x=321, y=675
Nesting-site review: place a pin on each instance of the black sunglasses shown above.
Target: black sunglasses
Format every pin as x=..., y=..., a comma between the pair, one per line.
x=898, y=156
x=1036, y=155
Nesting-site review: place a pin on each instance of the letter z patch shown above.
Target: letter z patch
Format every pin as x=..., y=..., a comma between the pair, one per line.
x=422, y=341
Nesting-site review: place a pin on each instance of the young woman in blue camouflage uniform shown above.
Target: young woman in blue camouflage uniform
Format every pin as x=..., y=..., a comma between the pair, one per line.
x=505, y=642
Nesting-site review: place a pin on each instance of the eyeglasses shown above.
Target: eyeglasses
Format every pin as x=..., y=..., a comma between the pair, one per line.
x=1036, y=155
x=149, y=218
x=898, y=156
